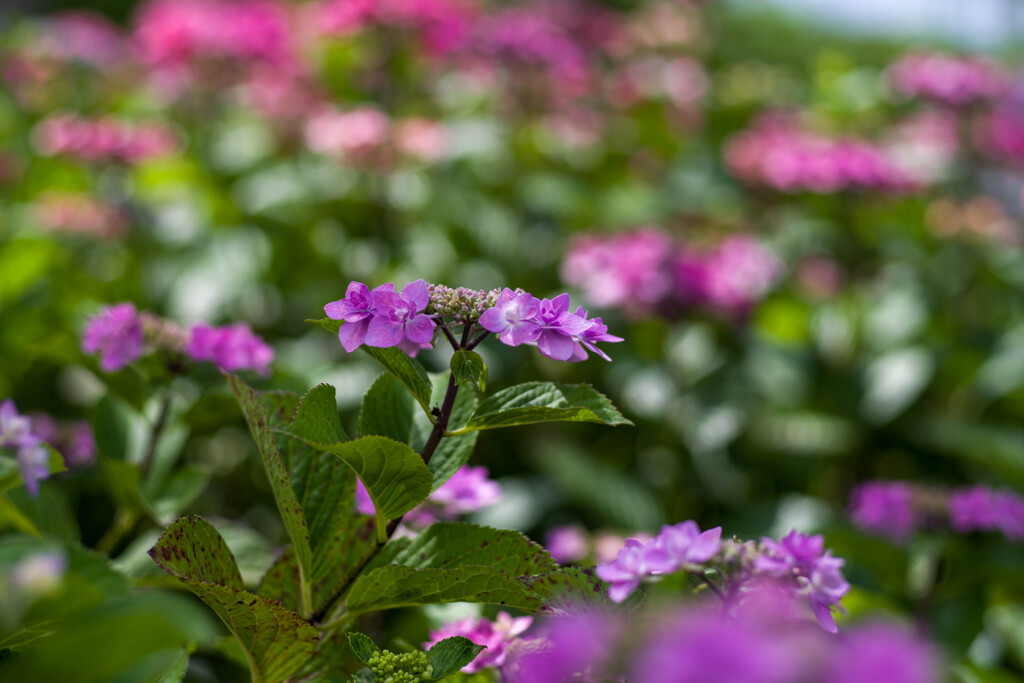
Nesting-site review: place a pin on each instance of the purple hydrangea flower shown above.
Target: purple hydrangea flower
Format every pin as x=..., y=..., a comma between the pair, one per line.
x=355, y=309
x=597, y=332
x=567, y=544
x=634, y=562
x=980, y=508
x=683, y=544
x=116, y=334
x=33, y=457
x=513, y=318
x=884, y=507
x=701, y=646
x=819, y=574
x=572, y=649
x=559, y=328
x=495, y=635
x=39, y=573
x=884, y=652
x=399, y=317
x=232, y=348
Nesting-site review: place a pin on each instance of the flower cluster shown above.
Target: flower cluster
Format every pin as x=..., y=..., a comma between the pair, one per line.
x=693, y=644
x=645, y=270
x=468, y=490
x=104, y=139
x=384, y=318
x=1000, y=133
x=800, y=561
x=120, y=335
x=16, y=431
x=951, y=80
x=408, y=667
x=898, y=509
x=79, y=213
x=495, y=635
x=776, y=153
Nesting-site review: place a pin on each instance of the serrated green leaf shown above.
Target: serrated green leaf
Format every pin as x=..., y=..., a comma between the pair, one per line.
x=449, y=544
x=363, y=646
x=276, y=641
x=394, y=474
x=396, y=586
x=468, y=367
x=545, y=402
x=450, y=655
x=389, y=410
x=569, y=590
x=317, y=416
x=259, y=420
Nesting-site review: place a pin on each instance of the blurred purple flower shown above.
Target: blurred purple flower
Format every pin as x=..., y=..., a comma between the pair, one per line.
x=571, y=647
x=884, y=507
x=567, y=544
x=630, y=269
x=633, y=563
x=981, y=508
x=730, y=278
x=33, y=457
x=116, y=334
x=495, y=635
x=231, y=348
x=949, y=79
x=682, y=544
x=883, y=652
x=398, y=317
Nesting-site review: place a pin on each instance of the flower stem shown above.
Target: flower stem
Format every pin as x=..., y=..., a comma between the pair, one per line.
x=155, y=432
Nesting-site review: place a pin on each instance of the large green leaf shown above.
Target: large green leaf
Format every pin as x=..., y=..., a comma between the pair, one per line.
x=276, y=641
x=394, y=474
x=406, y=370
x=259, y=419
x=448, y=544
x=545, y=402
x=570, y=590
x=388, y=410
x=397, y=586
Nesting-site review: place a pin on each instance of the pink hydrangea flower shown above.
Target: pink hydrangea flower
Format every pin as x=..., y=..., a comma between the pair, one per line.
x=233, y=347
x=116, y=334
x=567, y=544
x=884, y=507
x=949, y=79
x=468, y=490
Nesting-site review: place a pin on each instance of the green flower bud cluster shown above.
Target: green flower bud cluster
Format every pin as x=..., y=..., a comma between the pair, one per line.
x=465, y=305
x=408, y=667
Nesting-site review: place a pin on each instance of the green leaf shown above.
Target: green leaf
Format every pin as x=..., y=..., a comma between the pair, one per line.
x=545, y=402
x=448, y=544
x=396, y=586
x=569, y=590
x=363, y=646
x=394, y=474
x=276, y=641
x=259, y=420
x=468, y=367
x=317, y=416
x=450, y=655
x=388, y=410
x=406, y=370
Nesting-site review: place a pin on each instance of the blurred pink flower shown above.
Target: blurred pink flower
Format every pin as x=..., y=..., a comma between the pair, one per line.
x=949, y=79
x=495, y=635
x=104, y=139
x=81, y=213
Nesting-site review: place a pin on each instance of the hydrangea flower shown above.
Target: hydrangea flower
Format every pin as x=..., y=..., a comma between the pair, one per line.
x=513, y=318
x=629, y=568
x=567, y=544
x=231, y=348
x=33, y=457
x=355, y=309
x=399, y=317
x=116, y=334
x=683, y=544
x=597, y=332
x=559, y=329
x=884, y=507
x=495, y=635
x=884, y=652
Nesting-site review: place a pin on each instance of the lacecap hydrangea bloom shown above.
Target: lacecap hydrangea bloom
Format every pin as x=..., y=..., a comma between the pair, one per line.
x=410, y=319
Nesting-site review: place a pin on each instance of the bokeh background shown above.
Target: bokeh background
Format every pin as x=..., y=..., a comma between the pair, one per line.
x=805, y=219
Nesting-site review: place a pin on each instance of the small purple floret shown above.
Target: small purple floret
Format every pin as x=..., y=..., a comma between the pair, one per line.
x=116, y=334
x=513, y=318
x=399, y=317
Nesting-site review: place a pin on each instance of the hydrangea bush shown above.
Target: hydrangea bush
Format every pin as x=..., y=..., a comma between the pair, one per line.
x=220, y=462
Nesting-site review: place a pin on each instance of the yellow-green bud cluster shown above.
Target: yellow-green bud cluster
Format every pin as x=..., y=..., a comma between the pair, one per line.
x=408, y=667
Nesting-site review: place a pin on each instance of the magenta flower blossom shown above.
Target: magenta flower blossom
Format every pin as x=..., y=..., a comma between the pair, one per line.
x=33, y=457
x=884, y=652
x=355, y=309
x=398, y=317
x=730, y=277
x=495, y=635
x=886, y=508
x=116, y=334
x=949, y=79
x=513, y=318
x=74, y=441
x=981, y=508
x=630, y=269
x=231, y=348
x=572, y=648
x=817, y=573
x=683, y=544
x=559, y=328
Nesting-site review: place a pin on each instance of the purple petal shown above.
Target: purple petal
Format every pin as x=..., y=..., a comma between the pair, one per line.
x=555, y=345
x=823, y=613
x=383, y=333
x=416, y=293
x=619, y=591
x=705, y=546
x=492, y=320
x=352, y=335
x=420, y=329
